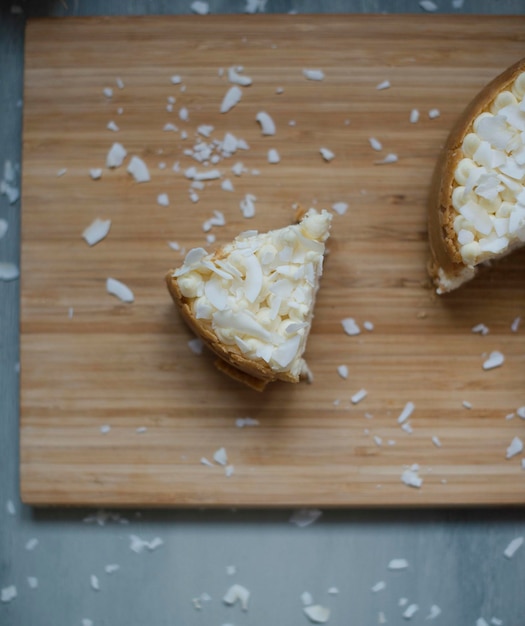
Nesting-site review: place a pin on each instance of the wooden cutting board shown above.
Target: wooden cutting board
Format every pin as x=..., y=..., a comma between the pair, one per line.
x=89, y=361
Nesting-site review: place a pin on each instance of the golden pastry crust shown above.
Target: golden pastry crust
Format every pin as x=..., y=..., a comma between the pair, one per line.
x=446, y=267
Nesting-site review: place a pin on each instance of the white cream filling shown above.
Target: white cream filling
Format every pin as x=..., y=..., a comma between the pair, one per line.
x=490, y=195
x=260, y=294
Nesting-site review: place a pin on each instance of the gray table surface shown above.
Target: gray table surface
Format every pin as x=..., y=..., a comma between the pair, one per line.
x=455, y=556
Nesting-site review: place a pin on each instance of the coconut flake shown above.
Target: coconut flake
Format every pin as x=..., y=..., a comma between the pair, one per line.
x=513, y=547
x=112, y=126
x=204, y=461
x=521, y=412
x=184, y=114
x=139, y=170
x=8, y=593
x=108, y=92
x=200, y=7
x=515, y=447
x=436, y=441
x=515, y=324
x=317, y=614
x=390, y=158
x=9, y=271
x=350, y=326
x=481, y=329
x=170, y=127
x=229, y=470
x=342, y=370
x=237, y=593
x=238, y=168
x=196, y=345
x=358, y=396
x=313, y=74
x=247, y=205
x=232, y=97
x=32, y=581
x=495, y=359
x=116, y=155
x=95, y=584
x=241, y=422
x=138, y=545
x=61, y=172
x=305, y=517
x=434, y=113
x=273, y=156
x=410, y=611
x=398, y=564
x=306, y=598
x=340, y=207
x=379, y=586
x=96, y=231
x=95, y=173
x=406, y=412
x=220, y=456
x=235, y=77
x=3, y=227
x=31, y=544
x=414, y=116
x=375, y=144
x=383, y=85
x=254, y=6
x=434, y=612
x=266, y=122
x=227, y=185
x=411, y=478
x=327, y=154
x=119, y=289
x=163, y=199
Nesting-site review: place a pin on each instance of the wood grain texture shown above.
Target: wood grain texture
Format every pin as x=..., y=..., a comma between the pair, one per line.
x=129, y=366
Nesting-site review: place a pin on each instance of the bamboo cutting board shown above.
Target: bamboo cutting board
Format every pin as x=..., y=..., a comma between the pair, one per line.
x=115, y=407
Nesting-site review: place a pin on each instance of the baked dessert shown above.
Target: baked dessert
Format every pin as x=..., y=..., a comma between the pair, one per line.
x=252, y=300
x=477, y=199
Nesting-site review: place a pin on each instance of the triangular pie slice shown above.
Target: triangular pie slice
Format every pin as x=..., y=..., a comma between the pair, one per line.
x=252, y=300
x=477, y=200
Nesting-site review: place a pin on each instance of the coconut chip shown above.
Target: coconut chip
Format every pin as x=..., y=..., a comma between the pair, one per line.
x=8, y=593
x=317, y=614
x=411, y=478
x=379, y=586
x=383, y=85
x=434, y=612
x=227, y=185
x=200, y=7
x=241, y=422
x=306, y=598
x=495, y=359
x=139, y=170
x=95, y=584
x=96, y=231
x=515, y=447
x=9, y=271
x=233, y=96
x=31, y=544
x=350, y=326
x=342, y=370
x=515, y=324
x=398, y=564
x=235, y=77
x=32, y=581
x=521, y=412
x=390, y=158
x=414, y=116
x=434, y=113
x=95, y=173
x=305, y=517
x=220, y=456
x=112, y=126
x=513, y=547
x=375, y=144
x=3, y=227
x=358, y=396
x=163, y=199
x=327, y=154
x=313, y=74
x=204, y=461
x=138, y=545
x=116, y=155
x=247, y=205
x=61, y=172
x=406, y=412
x=340, y=207
x=119, y=289
x=273, y=156
x=108, y=92
x=266, y=122
x=237, y=593
x=436, y=441
x=481, y=329
x=428, y=5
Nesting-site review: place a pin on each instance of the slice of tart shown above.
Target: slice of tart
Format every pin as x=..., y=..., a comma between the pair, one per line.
x=477, y=199
x=252, y=300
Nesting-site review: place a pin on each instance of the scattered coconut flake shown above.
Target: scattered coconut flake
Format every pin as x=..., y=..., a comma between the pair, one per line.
x=398, y=564
x=340, y=207
x=105, y=429
x=9, y=271
x=120, y=110
x=205, y=461
x=378, y=441
x=235, y=77
x=220, y=456
x=273, y=156
x=32, y=543
x=3, y=227
x=140, y=430
x=381, y=618
x=406, y=412
x=410, y=611
x=279, y=90
x=32, y=581
x=414, y=116
x=342, y=370
x=111, y=568
x=379, y=586
x=10, y=507
x=407, y=428
x=232, y=97
x=510, y=416
x=95, y=173
x=367, y=325
x=515, y=324
x=119, y=289
x=350, y=326
x=317, y=614
x=436, y=441
x=428, y=5
x=358, y=396
x=292, y=123
x=231, y=570
x=313, y=74
x=515, y=447
x=495, y=359
x=95, y=584
x=305, y=517
x=116, y=155
x=375, y=144
x=467, y=404
x=238, y=168
x=481, y=622
x=169, y=107
x=229, y=470
x=496, y=621
x=481, y=329
x=457, y=4
x=434, y=612
x=194, y=196
x=205, y=130
x=521, y=412
x=96, y=231
x=120, y=82
x=10, y=191
x=87, y=622
x=61, y=172
x=184, y=114
x=9, y=171
x=247, y=205
x=227, y=185
x=390, y=158
x=434, y=113
x=513, y=546
x=333, y=591
x=170, y=127
x=306, y=598
x=200, y=7
x=327, y=154
x=383, y=85
x=266, y=122
x=176, y=79
x=241, y=422
x=237, y=593
x=139, y=170
x=196, y=345
x=163, y=199
x=108, y=92
x=411, y=478
x=138, y=545
x=112, y=126
x=8, y=593
x=254, y=6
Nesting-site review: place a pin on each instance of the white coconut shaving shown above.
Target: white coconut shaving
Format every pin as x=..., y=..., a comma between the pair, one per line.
x=313, y=74
x=358, y=396
x=317, y=614
x=170, y=127
x=231, y=570
x=481, y=622
x=375, y=144
x=390, y=158
x=434, y=113
x=434, y=612
x=306, y=598
x=108, y=92
x=220, y=456
x=200, y=7
x=8, y=593
x=255, y=6
x=8, y=271
x=466, y=404
x=95, y=583
x=247, y=205
x=111, y=568
x=350, y=326
x=138, y=545
x=238, y=168
x=205, y=130
x=96, y=231
x=235, y=77
x=495, y=359
x=521, y=412
x=327, y=154
x=305, y=517
x=428, y=5
x=193, y=174
x=196, y=345
x=495, y=621
x=273, y=156
x=436, y=441
x=342, y=370
x=61, y=172
x=229, y=471
x=112, y=126
x=410, y=611
x=105, y=429
x=369, y=326
x=31, y=544
x=333, y=591
x=398, y=564
x=411, y=478
x=385, y=84
x=407, y=428
x=237, y=593
x=3, y=227
x=32, y=582
x=379, y=586
x=406, y=412
x=266, y=122
x=184, y=114
x=163, y=199
x=414, y=116
x=241, y=422
x=515, y=447
x=95, y=173
x=480, y=329
x=116, y=155
x=378, y=441
x=340, y=207
x=120, y=290
x=233, y=96
x=139, y=170
x=227, y=185
x=515, y=324
x=206, y=462
x=513, y=547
